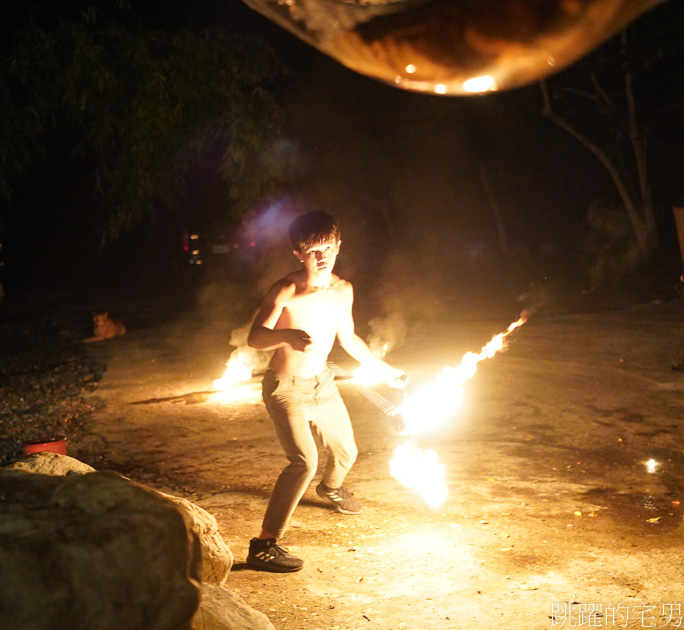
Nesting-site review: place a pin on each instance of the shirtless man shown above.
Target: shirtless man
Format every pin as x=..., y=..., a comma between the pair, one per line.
x=300, y=318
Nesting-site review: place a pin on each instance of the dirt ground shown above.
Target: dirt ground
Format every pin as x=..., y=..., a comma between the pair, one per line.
x=552, y=519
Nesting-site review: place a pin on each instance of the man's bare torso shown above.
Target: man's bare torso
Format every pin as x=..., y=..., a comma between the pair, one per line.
x=318, y=312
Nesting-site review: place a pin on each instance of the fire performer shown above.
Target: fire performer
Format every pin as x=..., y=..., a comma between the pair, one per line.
x=300, y=318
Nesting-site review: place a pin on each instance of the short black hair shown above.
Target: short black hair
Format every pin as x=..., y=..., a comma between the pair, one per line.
x=313, y=228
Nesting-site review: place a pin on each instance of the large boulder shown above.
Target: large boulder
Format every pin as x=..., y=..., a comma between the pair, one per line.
x=98, y=551
x=222, y=610
x=93, y=551
x=217, y=559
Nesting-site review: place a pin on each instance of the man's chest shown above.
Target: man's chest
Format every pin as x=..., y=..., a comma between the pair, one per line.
x=320, y=308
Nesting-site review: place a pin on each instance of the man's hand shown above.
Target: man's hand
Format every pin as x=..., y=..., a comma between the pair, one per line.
x=298, y=339
x=397, y=379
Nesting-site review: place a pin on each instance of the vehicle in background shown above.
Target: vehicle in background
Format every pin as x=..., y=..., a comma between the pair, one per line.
x=217, y=253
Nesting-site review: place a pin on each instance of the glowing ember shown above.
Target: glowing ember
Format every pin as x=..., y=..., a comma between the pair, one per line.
x=419, y=470
x=651, y=466
x=433, y=403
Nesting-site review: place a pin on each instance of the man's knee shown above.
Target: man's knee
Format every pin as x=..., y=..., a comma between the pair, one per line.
x=305, y=465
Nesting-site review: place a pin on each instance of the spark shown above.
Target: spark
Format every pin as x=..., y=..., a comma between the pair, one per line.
x=427, y=408
x=433, y=403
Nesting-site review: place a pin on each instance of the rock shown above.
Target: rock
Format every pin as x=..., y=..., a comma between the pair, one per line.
x=222, y=610
x=64, y=510
x=217, y=559
x=50, y=464
x=93, y=551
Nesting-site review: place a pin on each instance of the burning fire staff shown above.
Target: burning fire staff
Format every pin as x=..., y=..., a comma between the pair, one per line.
x=300, y=318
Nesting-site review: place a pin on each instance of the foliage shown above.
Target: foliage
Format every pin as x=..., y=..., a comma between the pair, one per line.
x=144, y=107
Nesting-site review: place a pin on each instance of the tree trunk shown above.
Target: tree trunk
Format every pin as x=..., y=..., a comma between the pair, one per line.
x=496, y=210
x=633, y=208
x=638, y=147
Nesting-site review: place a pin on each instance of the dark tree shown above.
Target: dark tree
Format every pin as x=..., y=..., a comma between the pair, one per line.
x=613, y=104
x=143, y=105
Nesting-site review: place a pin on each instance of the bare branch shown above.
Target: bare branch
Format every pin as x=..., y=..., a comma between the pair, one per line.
x=636, y=138
x=576, y=92
x=602, y=93
x=623, y=190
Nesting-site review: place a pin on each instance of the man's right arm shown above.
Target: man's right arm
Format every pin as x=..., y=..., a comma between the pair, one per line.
x=263, y=335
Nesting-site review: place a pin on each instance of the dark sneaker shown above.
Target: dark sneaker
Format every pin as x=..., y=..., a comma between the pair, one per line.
x=266, y=555
x=342, y=499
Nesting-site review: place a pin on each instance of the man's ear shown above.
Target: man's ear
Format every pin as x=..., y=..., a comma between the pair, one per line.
x=298, y=254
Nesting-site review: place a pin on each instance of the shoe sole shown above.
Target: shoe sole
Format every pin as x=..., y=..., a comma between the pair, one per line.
x=348, y=512
x=260, y=565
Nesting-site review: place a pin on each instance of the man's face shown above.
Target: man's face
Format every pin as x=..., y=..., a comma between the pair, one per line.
x=319, y=258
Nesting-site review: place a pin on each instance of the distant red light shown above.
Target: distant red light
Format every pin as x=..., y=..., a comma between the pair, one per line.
x=252, y=244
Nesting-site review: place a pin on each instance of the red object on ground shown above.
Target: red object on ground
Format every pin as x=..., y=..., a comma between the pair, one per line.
x=46, y=445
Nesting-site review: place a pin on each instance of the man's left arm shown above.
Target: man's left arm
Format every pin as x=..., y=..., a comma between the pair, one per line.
x=357, y=348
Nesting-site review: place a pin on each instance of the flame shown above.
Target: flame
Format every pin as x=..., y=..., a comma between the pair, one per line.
x=433, y=403
x=419, y=470
x=427, y=408
x=366, y=375
x=236, y=372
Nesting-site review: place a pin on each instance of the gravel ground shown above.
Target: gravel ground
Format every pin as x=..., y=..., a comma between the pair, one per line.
x=45, y=376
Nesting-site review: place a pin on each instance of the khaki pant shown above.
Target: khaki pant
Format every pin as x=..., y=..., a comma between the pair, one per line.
x=306, y=412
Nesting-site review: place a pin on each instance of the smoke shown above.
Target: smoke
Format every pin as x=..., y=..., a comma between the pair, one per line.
x=256, y=360
x=408, y=287
x=613, y=249
x=223, y=304
x=387, y=332
x=265, y=229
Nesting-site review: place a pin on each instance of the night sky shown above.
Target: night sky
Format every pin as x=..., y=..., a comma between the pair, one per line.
x=402, y=171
